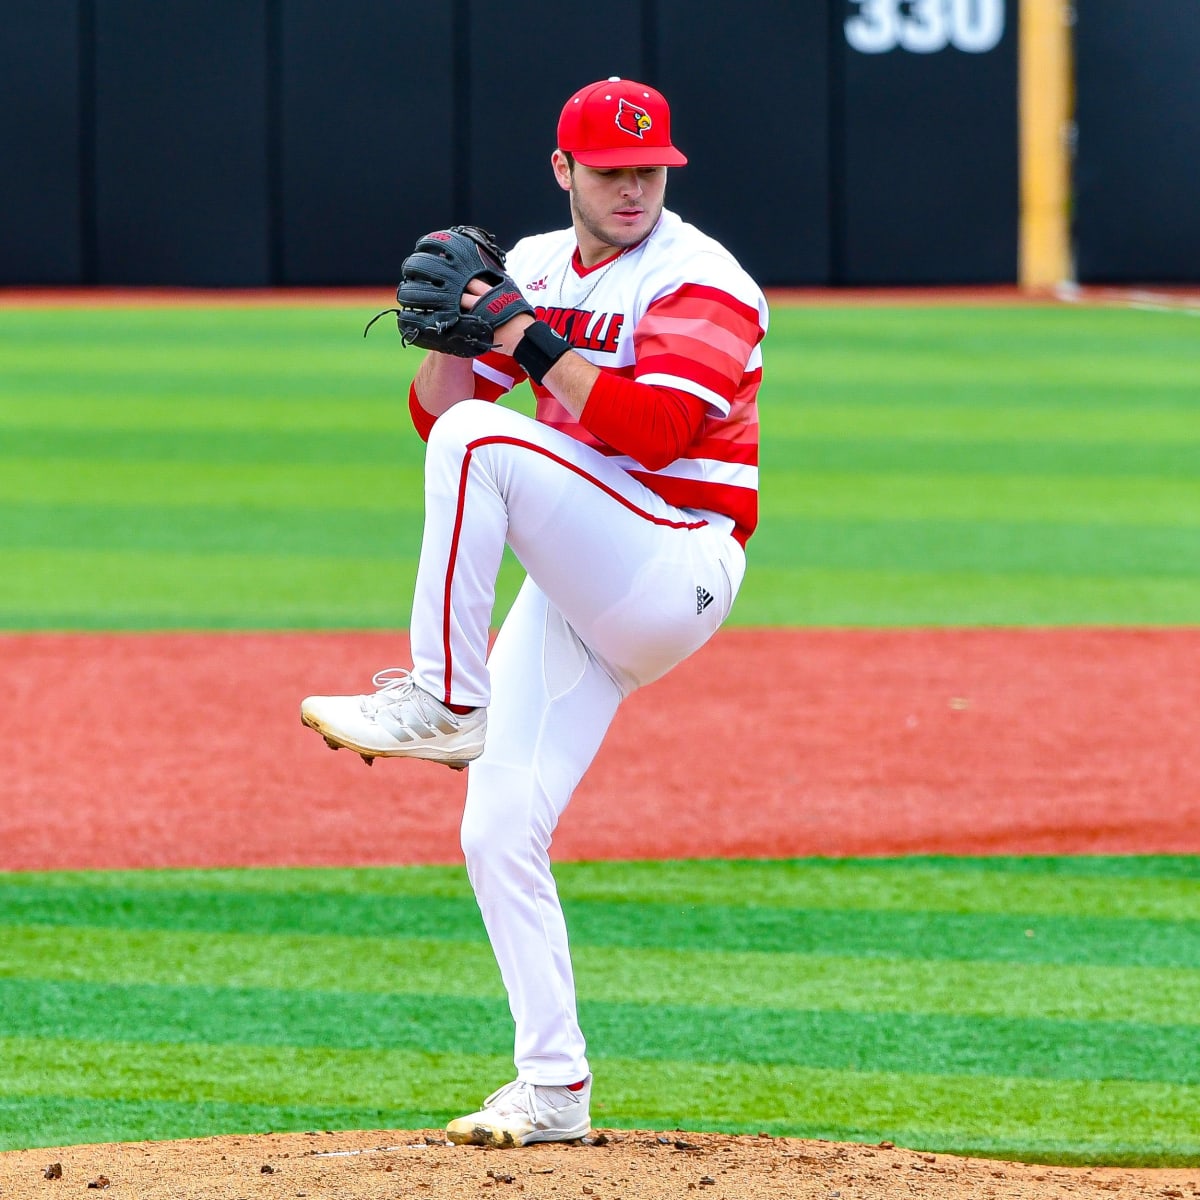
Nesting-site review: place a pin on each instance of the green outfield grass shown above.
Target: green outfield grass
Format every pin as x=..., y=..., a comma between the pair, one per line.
x=1046, y=1009
x=255, y=468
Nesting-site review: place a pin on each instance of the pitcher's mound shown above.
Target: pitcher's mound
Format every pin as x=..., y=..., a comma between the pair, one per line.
x=611, y=1165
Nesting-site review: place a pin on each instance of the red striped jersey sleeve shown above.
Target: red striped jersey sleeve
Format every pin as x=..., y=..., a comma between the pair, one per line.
x=698, y=339
x=496, y=374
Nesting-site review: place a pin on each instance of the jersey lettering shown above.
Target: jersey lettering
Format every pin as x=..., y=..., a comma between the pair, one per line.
x=584, y=329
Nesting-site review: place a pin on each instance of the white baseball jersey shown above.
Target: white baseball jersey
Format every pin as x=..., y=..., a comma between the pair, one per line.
x=676, y=311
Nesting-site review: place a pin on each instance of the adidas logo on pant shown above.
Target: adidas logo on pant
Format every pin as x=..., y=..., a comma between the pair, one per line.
x=703, y=599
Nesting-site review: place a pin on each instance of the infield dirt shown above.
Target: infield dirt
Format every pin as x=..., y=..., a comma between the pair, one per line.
x=186, y=750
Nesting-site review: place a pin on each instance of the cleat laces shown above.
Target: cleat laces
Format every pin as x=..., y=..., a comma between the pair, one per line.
x=512, y=1100
x=404, y=708
x=520, y=1099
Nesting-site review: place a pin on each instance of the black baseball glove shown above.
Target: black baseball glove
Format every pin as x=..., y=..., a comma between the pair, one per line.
x=433, y=279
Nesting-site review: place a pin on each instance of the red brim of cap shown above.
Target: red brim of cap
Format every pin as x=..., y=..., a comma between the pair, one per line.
x=631, y=156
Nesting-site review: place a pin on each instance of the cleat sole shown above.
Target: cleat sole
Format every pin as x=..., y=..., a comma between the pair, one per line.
x=482, y=1135
x=369, y=753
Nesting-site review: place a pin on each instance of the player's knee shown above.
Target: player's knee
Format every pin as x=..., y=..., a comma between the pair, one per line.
x=473, y=839
x=505, y=818
x=460, y=423
x=488, y=837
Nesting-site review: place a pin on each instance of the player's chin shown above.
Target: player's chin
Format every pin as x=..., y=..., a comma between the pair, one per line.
x=629, y=229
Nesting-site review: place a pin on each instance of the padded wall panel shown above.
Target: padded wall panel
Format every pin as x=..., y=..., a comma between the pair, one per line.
x=368, y=125
x=182, y=165
x=748, y=86
x=40, y=143
x=927, y=189
x=1137, y=169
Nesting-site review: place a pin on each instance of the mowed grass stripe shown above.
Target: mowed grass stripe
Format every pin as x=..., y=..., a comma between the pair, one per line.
x=200, y=1072
x=972, y=936
x=1167, y=459
x=238, y=406
x=244, y=591
x=1091, y=885
x=647, y=977
x=894, y=1042
x=27, y=1122
x=1089, y=550
x=1070, y=357
x=1061, y=460
x=193, y=531
x=340, y=487
x=843, y=495
x=992, y=415
x=297, y=447
x=254, y=591
x=844, y=418
x=1026, y=499
x=767, y=979
x=1150, y=1122
x=873, y=599
x=1094, y=550
x=1079, y=885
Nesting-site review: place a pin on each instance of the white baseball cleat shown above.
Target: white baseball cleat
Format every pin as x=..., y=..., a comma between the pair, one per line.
x=521, y=1113
x=400, y=720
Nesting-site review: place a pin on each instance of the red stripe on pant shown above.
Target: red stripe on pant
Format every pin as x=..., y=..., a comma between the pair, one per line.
x=499, y=439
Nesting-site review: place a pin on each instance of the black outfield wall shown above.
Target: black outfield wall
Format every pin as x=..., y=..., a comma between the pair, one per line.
x=1137, y=167
x=281, y=142
x=44, y=204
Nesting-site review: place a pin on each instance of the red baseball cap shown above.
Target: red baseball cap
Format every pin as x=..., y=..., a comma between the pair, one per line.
x=618, y=123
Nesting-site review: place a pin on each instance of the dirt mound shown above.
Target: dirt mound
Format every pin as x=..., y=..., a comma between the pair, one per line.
x=612, y=1165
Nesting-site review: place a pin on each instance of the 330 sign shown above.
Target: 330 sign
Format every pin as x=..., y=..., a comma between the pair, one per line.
x=925, y=26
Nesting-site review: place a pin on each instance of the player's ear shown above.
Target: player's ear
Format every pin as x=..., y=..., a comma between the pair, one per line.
x=561, y=163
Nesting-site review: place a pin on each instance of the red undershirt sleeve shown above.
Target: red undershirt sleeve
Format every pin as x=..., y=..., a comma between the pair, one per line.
x=653, y=425
x=422, y=421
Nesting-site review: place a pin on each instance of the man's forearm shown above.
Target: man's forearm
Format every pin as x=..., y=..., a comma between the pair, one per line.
x=570, y=381
x=443, y=380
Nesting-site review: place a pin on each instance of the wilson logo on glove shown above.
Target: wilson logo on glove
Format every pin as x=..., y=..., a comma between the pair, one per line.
x=502, y=301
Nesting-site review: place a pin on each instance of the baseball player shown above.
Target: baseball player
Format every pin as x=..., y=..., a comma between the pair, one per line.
x=628, y=501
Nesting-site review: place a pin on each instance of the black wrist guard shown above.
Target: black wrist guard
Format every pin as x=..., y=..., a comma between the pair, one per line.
x=539, y=350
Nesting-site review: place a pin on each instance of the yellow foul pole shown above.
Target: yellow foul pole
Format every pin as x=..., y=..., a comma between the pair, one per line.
x=1046, y=103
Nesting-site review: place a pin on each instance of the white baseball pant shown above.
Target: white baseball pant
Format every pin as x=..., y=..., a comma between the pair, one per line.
x=614, y=598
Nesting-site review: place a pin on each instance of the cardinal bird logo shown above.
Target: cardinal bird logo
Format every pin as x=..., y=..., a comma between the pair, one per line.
x=632, y=119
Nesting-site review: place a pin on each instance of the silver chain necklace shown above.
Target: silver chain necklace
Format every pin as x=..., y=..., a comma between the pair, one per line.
x=562, y=283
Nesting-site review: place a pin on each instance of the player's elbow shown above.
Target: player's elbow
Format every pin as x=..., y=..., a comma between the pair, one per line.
x=661, y=455
x=676, y=422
